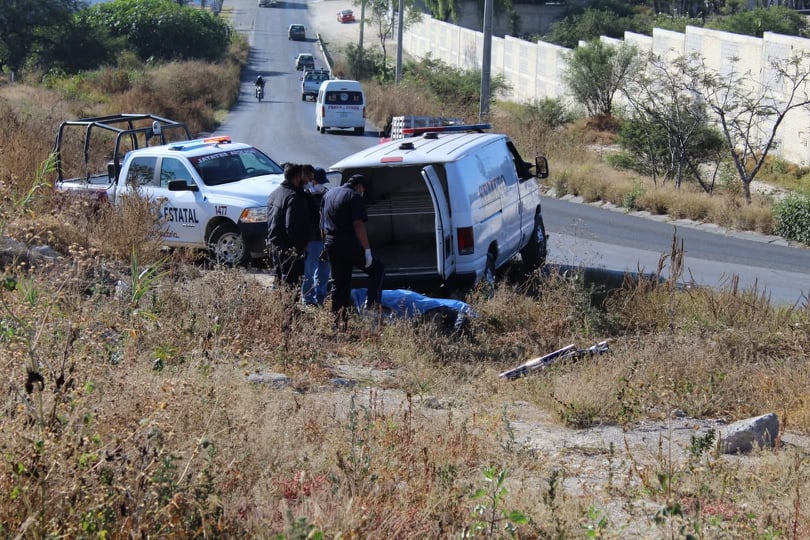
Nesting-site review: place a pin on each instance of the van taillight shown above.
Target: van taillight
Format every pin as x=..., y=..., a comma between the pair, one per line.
x=364, y=112
x=466, y=241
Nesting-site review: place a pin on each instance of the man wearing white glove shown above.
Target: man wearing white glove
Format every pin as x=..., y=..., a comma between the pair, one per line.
x=343, y=225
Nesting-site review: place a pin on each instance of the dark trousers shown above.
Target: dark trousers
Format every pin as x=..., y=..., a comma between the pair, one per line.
x=343, y=257
x=289, y=266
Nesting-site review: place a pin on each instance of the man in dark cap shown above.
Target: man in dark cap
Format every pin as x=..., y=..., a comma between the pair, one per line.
x=315, y=286
x=289, y=226
x=343, y=225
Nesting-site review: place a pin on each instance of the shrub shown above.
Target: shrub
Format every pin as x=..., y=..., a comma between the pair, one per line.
x=454, y=87
x=792, y=216
x=551, y=113
x=630, y=198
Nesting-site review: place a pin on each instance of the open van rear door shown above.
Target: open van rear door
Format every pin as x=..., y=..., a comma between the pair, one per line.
x=446, y=263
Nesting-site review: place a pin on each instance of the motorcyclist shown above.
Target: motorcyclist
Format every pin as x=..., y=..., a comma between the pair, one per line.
x=259, y=84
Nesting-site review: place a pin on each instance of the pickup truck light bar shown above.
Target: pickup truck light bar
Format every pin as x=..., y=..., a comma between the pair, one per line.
x=196, y=143
x=412, y=132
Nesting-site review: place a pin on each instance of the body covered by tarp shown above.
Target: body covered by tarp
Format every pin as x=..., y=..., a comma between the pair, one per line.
x=402, y=303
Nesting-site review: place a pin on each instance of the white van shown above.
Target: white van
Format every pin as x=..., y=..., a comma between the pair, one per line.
x=340, y=104
x=450, y=204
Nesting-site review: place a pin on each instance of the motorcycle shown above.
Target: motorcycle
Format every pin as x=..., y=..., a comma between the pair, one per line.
x=259, y=93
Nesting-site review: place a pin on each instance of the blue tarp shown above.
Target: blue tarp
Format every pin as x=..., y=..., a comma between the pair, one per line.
x=403, y=303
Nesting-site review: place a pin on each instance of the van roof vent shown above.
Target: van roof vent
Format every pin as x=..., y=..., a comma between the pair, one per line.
x=406, y=146
x=430, y=135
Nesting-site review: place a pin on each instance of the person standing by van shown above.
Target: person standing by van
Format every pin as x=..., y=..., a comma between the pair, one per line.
x=343, y=225
x=315, y=286
x=289, y=226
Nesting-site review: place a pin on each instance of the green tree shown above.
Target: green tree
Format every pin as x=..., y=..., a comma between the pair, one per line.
x=755, y=22
x=676, y=23
x=162, y=29
x=596, y=71
x=74, y=46
x=443, y=10
x=24, y=24
x=589, y=21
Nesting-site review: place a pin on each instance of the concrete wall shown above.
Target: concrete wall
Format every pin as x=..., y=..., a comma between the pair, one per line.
x=533, y=70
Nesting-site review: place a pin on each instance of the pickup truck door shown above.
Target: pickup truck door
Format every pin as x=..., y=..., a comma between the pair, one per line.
x=446, y=263
x=140, y=175
x=184, y=212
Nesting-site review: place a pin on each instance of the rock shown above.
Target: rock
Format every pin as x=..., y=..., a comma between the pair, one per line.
x=276, y=380
x=745, y=435
x=678, y=413
x=342, y=382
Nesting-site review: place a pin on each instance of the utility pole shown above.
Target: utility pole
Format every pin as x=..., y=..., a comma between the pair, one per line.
x=362, y=21
x=398, y=75
x=486, y=61
x=362, y=25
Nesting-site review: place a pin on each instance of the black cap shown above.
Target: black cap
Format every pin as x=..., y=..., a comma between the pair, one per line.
x=357, y=179
x=320, y=176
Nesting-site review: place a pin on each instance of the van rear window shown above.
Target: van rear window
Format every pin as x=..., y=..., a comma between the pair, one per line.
x=344, y=97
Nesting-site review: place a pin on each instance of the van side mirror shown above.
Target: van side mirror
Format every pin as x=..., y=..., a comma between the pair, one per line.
x=541, y=167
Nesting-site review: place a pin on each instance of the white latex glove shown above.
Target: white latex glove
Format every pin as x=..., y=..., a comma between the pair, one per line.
x=368, y=258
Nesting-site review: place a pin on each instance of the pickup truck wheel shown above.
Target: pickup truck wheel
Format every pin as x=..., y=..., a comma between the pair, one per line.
x=534, y=254
x=227, y=246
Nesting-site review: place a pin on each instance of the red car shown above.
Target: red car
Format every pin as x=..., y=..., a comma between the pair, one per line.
x=345, y=16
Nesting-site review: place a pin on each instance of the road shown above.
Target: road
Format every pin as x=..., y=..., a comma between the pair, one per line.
x=283, y=125
x=581, y=235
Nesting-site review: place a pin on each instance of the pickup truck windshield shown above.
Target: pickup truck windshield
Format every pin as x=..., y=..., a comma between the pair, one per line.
x=233, y=165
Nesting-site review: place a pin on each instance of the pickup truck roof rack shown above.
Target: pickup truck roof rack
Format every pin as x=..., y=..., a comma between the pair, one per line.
x=432, y=130
x=136, y=129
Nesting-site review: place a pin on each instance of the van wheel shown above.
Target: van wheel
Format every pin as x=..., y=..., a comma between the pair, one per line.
x=359, y=131
x=323, y=129
x=227, y=246
x=303, y=97
x=490, y=275
x=534, y=254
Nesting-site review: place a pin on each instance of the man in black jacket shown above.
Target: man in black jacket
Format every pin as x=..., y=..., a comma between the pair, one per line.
x=343, y=224
x=289, y=226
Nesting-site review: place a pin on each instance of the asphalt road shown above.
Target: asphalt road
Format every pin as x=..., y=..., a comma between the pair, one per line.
x=282, y=125
x=581, y=235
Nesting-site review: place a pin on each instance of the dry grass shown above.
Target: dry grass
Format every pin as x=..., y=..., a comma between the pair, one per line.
x=130, y=410
x=146, y=420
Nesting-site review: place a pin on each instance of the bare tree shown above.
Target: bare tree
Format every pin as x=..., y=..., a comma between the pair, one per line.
x=380, y=15
x=749, y=111
x=665, y=107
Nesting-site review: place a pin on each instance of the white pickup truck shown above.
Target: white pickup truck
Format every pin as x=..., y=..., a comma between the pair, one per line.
x=311, y=82
x=212, y=192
